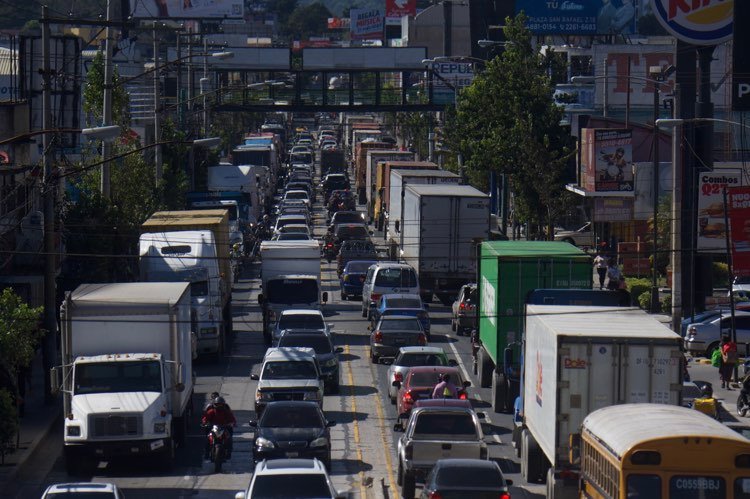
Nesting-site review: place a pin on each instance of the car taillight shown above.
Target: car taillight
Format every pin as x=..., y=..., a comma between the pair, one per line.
x=504, y=495
x=378, y=337
x=408, y=398
x=422, y=339
x=462, y=396
x=329, y=245
x=408, y=451
x=398, y=377
x=375, y=296
x=435, y=495
x=462, y=306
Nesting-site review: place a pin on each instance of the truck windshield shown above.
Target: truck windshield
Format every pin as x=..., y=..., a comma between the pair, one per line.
x=117, y=377
x=290, y=291
x=289, y=369
x=198, y=279
x=307, y=486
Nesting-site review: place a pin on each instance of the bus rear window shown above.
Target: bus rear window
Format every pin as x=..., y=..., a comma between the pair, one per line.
x=697, y=487
x=644, y=487
x=742, y=488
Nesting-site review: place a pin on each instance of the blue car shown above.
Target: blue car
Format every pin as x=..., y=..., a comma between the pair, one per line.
x=353, y=276
x=402, y=304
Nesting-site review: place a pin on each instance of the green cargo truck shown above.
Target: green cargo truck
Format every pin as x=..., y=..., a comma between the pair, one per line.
x=507, y=272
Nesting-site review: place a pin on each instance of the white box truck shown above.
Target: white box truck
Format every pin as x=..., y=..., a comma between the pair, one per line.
x=189, y=256
x=252, y=181
x=578, y=359
x=440, y=229
x=290, y=278
x=127, y=374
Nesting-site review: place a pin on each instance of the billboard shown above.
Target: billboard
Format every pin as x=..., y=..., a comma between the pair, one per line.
x=741, y=59
x=697, y=23
x=446, y=74
x=738, y=200
x=186, y=9
x=580, y=17
x=367, y=24
x=607, y=159
x=711, y=224
x=396, y=9
x=613, y=209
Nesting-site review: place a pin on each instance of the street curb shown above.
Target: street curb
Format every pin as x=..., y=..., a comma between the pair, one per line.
x=30, y=452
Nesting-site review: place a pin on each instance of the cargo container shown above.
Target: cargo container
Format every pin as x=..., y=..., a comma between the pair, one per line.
x=375, y=156
x=383, y=181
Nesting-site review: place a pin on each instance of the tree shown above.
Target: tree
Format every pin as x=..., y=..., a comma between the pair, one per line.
x=19, y=331
x=93, y=95
x=307, y=21
x=507, y=122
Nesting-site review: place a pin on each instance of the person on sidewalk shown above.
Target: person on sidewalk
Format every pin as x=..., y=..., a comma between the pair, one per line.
x=613, y=274
x=729, y=357
x=601, y=268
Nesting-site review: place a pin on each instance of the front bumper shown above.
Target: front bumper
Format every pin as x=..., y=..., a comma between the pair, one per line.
x=113, y=449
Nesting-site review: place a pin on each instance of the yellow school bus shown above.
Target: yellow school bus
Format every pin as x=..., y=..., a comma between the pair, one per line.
x=655, y=451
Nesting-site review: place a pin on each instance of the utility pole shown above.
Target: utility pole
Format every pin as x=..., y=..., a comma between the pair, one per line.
x=48, y=192
x=178, y=68
x=447, y=27
x=655, y=303
x=204, y=86
x=157, y=110
x=107, y=111
x=677, y=177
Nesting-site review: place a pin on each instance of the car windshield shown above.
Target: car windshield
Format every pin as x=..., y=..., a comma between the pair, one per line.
x=117, y=377
x=358, y=267
x=398, y=277
x=457, y=476
x=403, y=303
x=289, y=369
x=430, y=378
x=301, y=321
x=399, y=325
x=71, y=494
x=284, y=416
x=347, y=218
x=290, y=486
x=351, y=232
x=445, y=424
x=291, y=220
x=290, y=291
x=296, y=195
x=357, y=246
x=421, y=359
x=292, y=236
x=317, y=342
x=742, y=280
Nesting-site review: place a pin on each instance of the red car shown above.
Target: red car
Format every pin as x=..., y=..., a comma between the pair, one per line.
x=419, y=383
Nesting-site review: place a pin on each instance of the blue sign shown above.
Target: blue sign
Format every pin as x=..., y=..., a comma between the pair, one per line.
x=579, y=17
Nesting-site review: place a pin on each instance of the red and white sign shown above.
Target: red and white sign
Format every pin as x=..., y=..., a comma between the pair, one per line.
x=738, y=199
x=396, y=9
x=711, y=226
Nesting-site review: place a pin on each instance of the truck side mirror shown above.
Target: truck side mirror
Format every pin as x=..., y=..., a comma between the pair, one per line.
x=261, y=299
x=398, y=427
x=54, y=376
x=325, y=296
x=254, y=377
x=467, y=383
x=397, y=384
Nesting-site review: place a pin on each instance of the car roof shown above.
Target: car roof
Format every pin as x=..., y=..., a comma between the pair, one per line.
x=393, y=265
x=401, y=296
x=289, y=353
x=468, y=463
x=434, y=369
x=286, y=466
x=64, y=488
x=301, y=311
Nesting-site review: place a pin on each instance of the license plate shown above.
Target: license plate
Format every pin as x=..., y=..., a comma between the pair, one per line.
x=292, y=454
x=157, y=444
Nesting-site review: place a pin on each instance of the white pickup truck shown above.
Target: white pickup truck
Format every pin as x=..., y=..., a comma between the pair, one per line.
x=434, y=432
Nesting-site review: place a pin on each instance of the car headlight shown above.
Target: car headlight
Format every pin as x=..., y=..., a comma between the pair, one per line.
x=262, y=396
x=319, y=442
x=330, y=363
x=264, y=443
x=311, y=396
x=74, y=431
x=160, y=427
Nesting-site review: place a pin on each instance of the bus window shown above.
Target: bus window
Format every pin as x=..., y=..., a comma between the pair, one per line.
x=697, y=487
x=644, y=487
x=742, y=488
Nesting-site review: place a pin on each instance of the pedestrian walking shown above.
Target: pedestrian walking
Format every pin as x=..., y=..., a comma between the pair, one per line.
x=613, y=274
x=601, y=268
x=729, y=357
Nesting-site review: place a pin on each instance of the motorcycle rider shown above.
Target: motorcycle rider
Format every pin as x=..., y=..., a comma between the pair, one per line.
x=219, y=413
x=445, y=389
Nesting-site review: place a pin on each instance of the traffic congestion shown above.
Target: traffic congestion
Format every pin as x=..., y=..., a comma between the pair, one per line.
x=296, y=332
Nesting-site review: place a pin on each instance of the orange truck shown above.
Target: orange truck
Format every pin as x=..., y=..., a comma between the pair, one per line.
x=382, y=185
x=360, y=165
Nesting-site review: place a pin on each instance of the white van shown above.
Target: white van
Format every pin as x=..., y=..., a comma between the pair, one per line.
x=386, y=278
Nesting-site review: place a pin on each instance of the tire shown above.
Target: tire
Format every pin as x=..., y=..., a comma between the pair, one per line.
x=532, y=459
x=486, y=369
x=374, y=358
x=710, y=350
x=400, y=475
x=218, y=457
x=454, y=327
x=408, y=488
x=364, y=312
x=742, y=408
x=499, y=393
x=344, y=297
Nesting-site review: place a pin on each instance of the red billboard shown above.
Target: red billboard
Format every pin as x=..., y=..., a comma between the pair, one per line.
x=738, y=199
x=607, y=159
x=396, y=9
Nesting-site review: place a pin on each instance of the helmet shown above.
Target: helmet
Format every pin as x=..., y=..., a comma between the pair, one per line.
x=445, y=377
x=214, y=395
x=220, y=401
x=707, y=390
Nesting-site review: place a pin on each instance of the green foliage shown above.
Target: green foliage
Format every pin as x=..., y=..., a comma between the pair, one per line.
x=507, y=122
x=19, y=331
x=637, y=287
x=414, y=128
x=8, y=422
x=644, y=300
x=663, y=234
x=666, y=304
x=307, y=21
x=93, y=95
x=720, y=274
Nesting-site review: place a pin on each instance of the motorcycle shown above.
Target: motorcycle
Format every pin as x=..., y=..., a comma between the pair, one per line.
x=743, y=399
x=218, y=440
x=329, y=251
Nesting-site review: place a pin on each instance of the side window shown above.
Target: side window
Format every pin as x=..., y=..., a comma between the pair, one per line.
x=742, y=322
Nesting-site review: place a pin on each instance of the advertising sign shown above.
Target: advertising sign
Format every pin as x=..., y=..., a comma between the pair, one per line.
x=367, y=24
x=698, y=23
x=450, y=74
x=338, y=23
x=711, y=226
x=186, y=9
x=613, y=209
x=580, y=17
x=609, y=159
x=738, y=200
x=741, y=59
x=396, y=9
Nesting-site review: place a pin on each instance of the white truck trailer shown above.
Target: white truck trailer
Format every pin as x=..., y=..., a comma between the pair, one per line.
x=440, y=229
x=127, y=374
x=578, y=359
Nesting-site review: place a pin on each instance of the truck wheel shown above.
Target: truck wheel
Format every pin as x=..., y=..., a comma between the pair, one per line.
x=486, y=369
x=533, y=458
x=454, y=327
x=511, y=394
x=409, y=486
x=551, y=484
x=499, y=392
x=516, y=439
x=364, y=311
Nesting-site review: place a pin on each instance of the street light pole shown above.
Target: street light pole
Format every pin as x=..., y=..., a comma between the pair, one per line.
x=157, y=111
x=107, y=100
x=655, y=304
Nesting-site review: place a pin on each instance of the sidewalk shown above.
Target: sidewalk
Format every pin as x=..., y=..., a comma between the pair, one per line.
x=36, y=423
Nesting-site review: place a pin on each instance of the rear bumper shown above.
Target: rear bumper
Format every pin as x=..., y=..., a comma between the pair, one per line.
x=351, y=289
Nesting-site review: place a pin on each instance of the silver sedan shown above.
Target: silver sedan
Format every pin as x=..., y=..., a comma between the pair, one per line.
x=408, y=357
